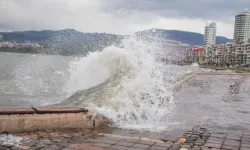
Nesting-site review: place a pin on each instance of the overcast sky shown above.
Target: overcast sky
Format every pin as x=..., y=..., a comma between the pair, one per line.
x=120, y=16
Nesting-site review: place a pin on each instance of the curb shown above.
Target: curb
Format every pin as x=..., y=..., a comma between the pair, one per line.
x=180, y=83
x=221, y=73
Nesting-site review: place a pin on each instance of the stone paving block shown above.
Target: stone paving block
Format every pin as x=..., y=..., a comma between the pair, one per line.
x=245, y=142
x=157, y=148
x=204, y=148
x=173, y=148
x=141, y=146
x=246, y=133
x=213, y=145
x=131, y=140
x=246, y=136
x=215, y=141
x=235, y=133
x=188, y=146
x=245, y=145
x=170, y=138
x=124, y=143
x=238, y=138
x=92, y=140
x=117, y=147
x=167, y=145
x=107, y=141
x=146, y=142
x=244, y=139
x=133, y=148
x=113, y=138
x=229, y=147
x=231, y=143
x=216, y=135
x=104, y=145
x=176, y=145
x=244, y=148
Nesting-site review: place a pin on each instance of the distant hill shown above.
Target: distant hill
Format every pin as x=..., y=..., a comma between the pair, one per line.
x=64, y=42
x=190, y=38
x=72, y=42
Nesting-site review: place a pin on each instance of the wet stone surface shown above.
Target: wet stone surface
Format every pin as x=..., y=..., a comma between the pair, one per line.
x=198, y=138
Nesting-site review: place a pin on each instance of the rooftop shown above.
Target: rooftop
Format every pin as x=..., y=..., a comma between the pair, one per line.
x=245, y=12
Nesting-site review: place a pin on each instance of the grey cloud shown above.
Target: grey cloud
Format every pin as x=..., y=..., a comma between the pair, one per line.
x=113, y=16
x=202, y=9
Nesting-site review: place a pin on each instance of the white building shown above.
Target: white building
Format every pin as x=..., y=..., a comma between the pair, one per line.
x=1, y=37
x=242, y=26
x=210, y=34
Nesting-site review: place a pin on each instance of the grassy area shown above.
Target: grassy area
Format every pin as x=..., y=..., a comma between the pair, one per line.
x=238, y=69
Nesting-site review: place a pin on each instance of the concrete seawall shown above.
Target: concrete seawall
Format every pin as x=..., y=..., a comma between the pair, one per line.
x=14, y=120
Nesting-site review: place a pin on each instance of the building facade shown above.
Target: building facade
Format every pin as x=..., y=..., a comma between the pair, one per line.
x=242, y=26
x=197, y=54
x=210, y=34
x=1, y=37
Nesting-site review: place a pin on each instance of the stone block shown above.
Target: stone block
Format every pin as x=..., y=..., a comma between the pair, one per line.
x=131, y=140
x=118, y=147
x=242, y=148
x=104, y=145
x=169, y=138
x=134, y=148
x=157, y=148
x=107, y=141
x=221, y=136
x=141, y=146
x=245, y=140
x=213, y=145
x=166, y=145
x=232, y=143
x=245, y=145
x=215, y=141
x=229, y=147
x=175, y=146
x=123, y=143
x=186, y=146
x=246, y=137
x=238, y=138
x=146, y=142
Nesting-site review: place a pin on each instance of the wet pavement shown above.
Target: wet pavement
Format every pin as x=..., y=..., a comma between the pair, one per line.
x=214, y=101
x=198, y=138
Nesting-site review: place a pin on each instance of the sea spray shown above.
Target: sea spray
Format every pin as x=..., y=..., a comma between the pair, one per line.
x=137, y=92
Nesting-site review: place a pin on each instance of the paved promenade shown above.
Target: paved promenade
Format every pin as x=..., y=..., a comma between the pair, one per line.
x=196, y=139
